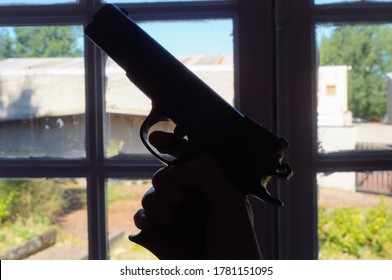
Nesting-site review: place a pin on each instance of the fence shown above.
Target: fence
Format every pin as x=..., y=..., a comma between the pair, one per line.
x=379, y=182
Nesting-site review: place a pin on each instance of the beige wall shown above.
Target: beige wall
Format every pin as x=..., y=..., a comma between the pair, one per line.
x=332, y=100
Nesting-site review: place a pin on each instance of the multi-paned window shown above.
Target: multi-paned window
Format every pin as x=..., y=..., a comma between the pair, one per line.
x=334, y=67
x=72, y=166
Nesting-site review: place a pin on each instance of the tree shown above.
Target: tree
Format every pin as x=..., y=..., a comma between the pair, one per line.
x=5, y=44
x=48, y=41
x=368, y=50
x=45, y=41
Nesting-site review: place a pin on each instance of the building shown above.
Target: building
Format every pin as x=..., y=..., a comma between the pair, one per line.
x=42, y=105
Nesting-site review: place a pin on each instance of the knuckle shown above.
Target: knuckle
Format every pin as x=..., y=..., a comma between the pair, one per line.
x=159, y=177
x=149, y=198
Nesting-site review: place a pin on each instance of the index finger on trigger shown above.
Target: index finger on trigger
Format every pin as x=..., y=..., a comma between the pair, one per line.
x=168, y=143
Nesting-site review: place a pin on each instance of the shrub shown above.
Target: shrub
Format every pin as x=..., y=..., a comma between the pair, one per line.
x=351, y=230
x=24, y=200
x=378, y=229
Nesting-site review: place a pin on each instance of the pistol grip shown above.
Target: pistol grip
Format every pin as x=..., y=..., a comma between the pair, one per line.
x=184, y=238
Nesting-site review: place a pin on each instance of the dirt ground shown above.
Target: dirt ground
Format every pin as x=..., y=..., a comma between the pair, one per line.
x=334, y=197
x=120, y=216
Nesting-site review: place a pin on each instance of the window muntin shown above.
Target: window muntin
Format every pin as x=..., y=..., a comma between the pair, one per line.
x=357, y=61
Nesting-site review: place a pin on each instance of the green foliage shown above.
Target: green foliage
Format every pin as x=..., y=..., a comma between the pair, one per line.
x=379, y=229
x=114, y=147
x=5, y=44
x=368, y=50
x=45, y=41
x=28, y=208
x=24, y=200
x=5, y=206
x=351, y=230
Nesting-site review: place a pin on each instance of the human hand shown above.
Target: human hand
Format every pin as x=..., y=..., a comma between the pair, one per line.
x=193, y=211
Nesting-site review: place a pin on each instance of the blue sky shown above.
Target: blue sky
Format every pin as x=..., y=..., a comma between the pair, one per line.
x=196, y=37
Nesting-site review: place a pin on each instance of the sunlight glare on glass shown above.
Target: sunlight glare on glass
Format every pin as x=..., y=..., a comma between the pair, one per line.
x=321, y=2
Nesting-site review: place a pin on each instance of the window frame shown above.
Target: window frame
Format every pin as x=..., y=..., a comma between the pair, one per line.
x=275, y=75
x=298, y=103
x=249, y=63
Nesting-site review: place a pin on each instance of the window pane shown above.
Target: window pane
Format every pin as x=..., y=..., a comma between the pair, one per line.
x=156, y=1
x=43, y=218
x=354, y=87
x=355, y=215
x=346, y=1
x=42, y=88
x=205, y=47
x=36, y=2
x=124, y=197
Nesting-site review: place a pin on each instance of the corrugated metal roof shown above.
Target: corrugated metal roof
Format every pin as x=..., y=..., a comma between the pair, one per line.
x=37, y=87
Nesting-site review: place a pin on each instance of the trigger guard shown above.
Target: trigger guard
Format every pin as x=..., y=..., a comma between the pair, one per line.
x=153, y=118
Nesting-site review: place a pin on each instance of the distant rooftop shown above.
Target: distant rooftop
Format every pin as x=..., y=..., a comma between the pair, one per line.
x=39, y=87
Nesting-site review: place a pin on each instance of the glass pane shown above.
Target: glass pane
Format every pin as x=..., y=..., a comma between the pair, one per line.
x=42, y=91
x=43, y=219
x=156, y=1
x=346, y=1
x=36, y=2
x=205, y=47
x=355, y=215
x=354, y=87
x=124, y=197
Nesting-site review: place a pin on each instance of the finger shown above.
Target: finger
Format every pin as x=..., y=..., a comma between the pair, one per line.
x=168, y=143
x=156, y=209
x=205, y=174
x=170, y=190
x=141, y=220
